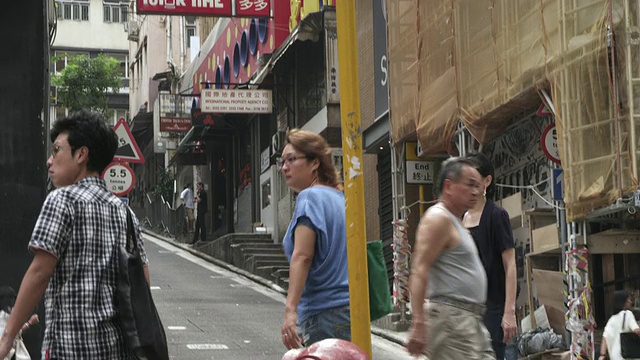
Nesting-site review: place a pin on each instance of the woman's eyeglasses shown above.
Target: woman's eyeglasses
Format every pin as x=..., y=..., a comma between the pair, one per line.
x=280, y=162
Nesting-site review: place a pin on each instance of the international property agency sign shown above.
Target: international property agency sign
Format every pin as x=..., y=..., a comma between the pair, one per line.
x=236, y=101
x=222, y=8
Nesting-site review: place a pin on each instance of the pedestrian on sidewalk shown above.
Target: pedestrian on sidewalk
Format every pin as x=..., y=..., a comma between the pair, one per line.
x=75, y=243
x=317, y=305
x=201, y=228
x=187, y=199
x=490, y=227
x=621, y=321
x=445, y=266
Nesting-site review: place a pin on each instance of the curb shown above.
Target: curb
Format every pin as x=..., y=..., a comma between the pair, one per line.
x=387, y=335
x=383, y=333
x=220, y=263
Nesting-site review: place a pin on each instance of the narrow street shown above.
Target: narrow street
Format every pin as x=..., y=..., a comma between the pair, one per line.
x=212, y=313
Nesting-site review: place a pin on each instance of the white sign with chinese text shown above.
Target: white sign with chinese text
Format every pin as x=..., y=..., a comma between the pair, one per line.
x=419, y=172
x=236, y=101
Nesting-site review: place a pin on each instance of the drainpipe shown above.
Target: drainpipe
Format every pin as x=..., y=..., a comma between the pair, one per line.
x=182, y=48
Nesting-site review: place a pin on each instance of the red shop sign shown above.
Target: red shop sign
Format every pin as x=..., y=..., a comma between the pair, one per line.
x=174, y=124
x=223, y=8
x=253, y=8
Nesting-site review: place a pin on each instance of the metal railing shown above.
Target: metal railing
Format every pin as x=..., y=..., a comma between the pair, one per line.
x=161, y=217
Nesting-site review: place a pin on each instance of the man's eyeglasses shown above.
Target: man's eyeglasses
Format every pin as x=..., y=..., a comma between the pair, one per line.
x=55, y=149
x=280, y=162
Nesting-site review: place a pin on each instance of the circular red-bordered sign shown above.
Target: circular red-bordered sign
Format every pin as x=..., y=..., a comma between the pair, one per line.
x=549, y=140
x=119, y=178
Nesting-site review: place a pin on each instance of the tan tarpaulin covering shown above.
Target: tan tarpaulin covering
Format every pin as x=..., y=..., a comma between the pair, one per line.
x=484, y=61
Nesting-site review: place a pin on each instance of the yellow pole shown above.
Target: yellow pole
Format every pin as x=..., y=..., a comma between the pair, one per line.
x=421, y=191
x=354, y=183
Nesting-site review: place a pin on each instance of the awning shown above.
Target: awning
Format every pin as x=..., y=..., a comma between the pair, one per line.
x=142, y=128
x=309, y=28
x=377, y=134
x=186, y=83
x=187, y=152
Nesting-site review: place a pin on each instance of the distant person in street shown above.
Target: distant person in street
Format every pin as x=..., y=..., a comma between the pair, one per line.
x=189, y=205
x=622, y=320
x=491, y=229
x=446, y=268
x=317, y=305
x=75, y=244
x=201, y=228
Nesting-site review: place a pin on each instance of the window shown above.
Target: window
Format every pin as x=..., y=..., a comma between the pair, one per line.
x=124, y=60
x=63, y=58
x=191, y=31
x=73, y=10
x=190, y=28
x=85, y=13
x=115, y=13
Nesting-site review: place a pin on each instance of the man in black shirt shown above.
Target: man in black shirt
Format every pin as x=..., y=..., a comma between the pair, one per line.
x=201, y=200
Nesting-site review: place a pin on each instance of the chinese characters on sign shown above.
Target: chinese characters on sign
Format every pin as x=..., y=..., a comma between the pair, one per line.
x=419, y=172
x=250, y=8
x=236, y=101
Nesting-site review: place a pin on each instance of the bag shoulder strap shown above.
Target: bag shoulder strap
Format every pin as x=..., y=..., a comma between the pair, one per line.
x=132, y=243
x=624, y=317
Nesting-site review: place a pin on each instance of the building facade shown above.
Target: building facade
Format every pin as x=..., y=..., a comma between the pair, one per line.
x=92, y=27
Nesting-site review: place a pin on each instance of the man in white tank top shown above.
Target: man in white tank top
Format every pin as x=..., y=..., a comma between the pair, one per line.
x=446, y=268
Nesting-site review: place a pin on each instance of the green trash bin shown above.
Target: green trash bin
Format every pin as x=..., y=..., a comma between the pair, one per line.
x=380, y=303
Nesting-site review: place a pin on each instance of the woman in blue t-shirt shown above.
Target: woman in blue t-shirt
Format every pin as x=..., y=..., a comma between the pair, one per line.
x=317, y=304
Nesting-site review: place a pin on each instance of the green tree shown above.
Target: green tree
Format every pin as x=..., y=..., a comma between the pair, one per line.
x=86, y=82
x=164, y=184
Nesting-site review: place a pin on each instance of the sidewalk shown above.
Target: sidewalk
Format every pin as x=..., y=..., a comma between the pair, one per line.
x=393, y=336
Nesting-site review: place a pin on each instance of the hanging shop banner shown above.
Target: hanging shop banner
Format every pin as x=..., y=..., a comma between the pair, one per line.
x=175, y=124
x=222, y=8
x=236, y=101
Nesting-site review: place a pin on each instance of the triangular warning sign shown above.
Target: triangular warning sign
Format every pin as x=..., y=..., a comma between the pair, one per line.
x=543, y=111
x=128, y=150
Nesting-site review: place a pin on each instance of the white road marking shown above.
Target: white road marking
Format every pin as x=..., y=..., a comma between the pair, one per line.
x=154, y=287
x=177, y=327
x=207, y=347
x=274, y=295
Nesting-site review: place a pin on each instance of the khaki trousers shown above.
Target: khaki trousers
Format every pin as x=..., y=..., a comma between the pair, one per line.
x=456, y=334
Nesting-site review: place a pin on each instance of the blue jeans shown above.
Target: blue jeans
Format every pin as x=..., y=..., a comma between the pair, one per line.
x=332, y=323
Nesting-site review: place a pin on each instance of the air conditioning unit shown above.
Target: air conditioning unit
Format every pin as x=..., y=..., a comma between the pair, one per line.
x=133, y=31
x=277, y=142
x=53, y=95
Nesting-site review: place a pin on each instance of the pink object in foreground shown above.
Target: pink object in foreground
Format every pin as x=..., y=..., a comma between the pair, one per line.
x=328, y=349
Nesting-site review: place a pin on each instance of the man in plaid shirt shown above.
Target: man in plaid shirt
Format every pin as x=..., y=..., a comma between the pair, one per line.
x=75, y=245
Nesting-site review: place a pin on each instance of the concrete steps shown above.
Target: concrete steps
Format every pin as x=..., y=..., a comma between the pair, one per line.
x=220, y=248
x=255, y=253
x=257, y=260
x=241, y=251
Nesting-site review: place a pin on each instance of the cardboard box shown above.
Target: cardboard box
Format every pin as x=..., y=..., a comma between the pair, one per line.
x=513, y=205
x=545, y=239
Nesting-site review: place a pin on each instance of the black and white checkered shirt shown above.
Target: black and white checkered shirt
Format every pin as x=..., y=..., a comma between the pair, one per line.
x=82, y=225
